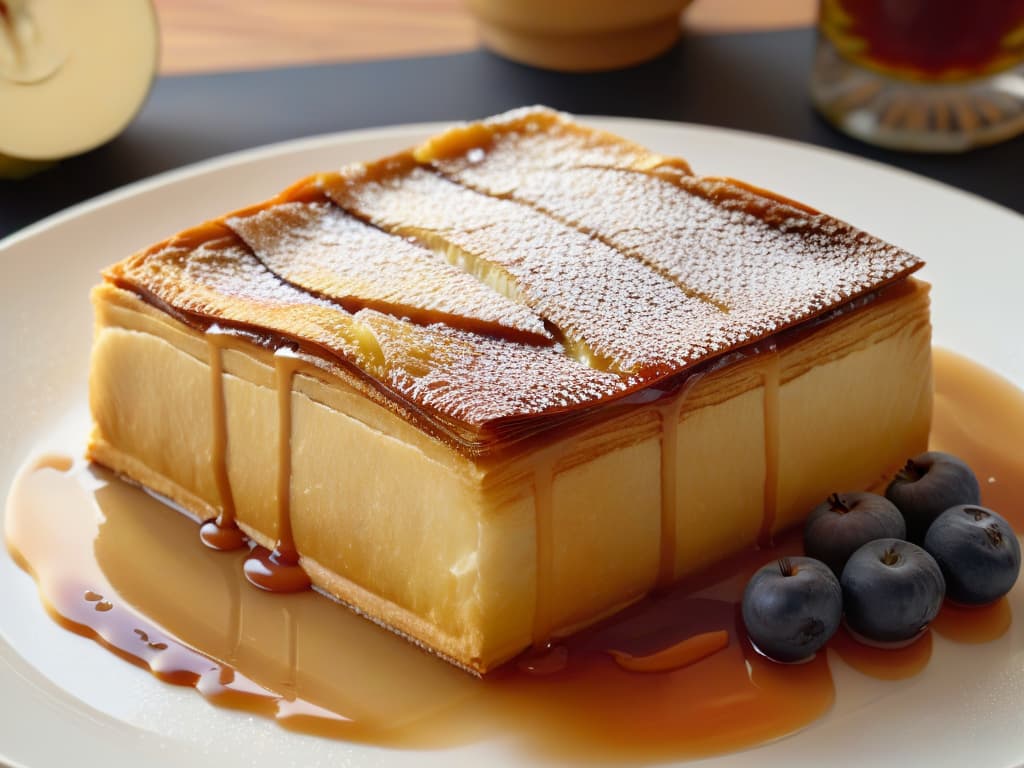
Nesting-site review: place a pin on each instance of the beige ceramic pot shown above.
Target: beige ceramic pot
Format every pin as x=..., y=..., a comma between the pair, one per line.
x=579, y=35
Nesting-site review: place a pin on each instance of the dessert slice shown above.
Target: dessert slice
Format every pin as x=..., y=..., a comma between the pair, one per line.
x=484, y=417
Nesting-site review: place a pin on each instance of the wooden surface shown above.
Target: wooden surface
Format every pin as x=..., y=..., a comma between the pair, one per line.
x=217, y=35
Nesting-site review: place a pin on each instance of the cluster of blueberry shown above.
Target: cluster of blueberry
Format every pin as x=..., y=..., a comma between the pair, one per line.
x=886, y=563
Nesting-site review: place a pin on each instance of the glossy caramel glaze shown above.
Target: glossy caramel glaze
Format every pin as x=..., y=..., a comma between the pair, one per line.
x=427, y=368
x=317, y=668
x=883, y=663
x=611, y=311
x=279, y=570
x=764, y=261
x=770, y=377
x=222, y=533
x=318, y=247
x=509, y=308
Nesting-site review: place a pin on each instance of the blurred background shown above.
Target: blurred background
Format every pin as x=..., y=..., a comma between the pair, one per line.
x=203, y=35
x=911, y=83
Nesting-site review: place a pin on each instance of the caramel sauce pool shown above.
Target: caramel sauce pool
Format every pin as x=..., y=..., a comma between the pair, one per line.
x=112, y=565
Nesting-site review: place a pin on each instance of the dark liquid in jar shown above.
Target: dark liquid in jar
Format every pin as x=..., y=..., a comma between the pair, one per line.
x=939, y=38
x=112, y=564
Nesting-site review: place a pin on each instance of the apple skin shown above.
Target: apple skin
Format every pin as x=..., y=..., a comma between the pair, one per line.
x=892, y=590
x=791, y=608
x=16, y=168
x=977, y=551
x=928, y=485
x=845, y=522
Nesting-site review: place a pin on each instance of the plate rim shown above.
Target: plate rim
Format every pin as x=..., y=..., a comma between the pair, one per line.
x=321, y=140
x=242, y=157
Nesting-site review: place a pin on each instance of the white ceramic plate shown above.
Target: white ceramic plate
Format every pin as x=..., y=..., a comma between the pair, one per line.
x=63, y=699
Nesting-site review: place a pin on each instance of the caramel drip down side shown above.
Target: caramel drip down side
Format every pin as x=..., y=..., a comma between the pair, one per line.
x=101, y=551
x=543, y=620
x=771, y=376
x=285, y=366
x=670, y=411
x=279, y=571
x=669, y=487
x=221, y=533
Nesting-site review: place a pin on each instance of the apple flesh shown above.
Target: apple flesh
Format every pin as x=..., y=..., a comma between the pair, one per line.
x=72, y=75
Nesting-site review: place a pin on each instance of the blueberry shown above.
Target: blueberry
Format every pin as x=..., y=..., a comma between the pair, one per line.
x=977, y=551
x=845, y=522
x=792, y=607
x=927, y=486
x=892, y=589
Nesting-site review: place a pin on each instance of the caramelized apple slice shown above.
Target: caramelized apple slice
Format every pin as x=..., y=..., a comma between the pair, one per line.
x=768, y=261
x=613, y=312
x=473, y=378
x=476, y=378
x=320, y=248
x=208, y=273
x=533, y=138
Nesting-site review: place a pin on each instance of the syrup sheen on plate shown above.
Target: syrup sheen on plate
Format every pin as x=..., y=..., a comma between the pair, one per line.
x=113, y=565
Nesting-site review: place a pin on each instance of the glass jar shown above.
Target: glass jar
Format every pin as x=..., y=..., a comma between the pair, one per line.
x=923, y=75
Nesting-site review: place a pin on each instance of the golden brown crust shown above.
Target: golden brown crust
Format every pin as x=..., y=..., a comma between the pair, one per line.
x=542, y=230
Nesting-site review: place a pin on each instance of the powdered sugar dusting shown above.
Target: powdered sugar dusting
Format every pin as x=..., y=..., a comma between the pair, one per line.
x=613, y=311
x=515, y=144
x=535, y=267
x=221, y=280
x=465, y=376
x=477, y=379
x=768, y=263
x=318, y=247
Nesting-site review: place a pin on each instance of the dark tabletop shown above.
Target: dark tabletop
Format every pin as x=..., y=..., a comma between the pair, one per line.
x=755, y=82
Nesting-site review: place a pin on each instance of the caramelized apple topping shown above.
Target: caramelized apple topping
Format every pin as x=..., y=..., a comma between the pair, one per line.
x=318, y=247
x=614, y=312
x=766, y=261
x=514, y=268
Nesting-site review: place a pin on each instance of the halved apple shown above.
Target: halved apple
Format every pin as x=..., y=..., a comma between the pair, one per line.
x=72, y=75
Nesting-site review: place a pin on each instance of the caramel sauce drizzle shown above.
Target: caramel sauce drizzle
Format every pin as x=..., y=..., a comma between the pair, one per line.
x=332, y=673
x=771, y=373
x=884, y=664
x=670, y=412
x=320, y=669
x=543, y=619
x=221, y=533
x=669, y=487
x=682, y=654
x=285, y=365
x=280, y=571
